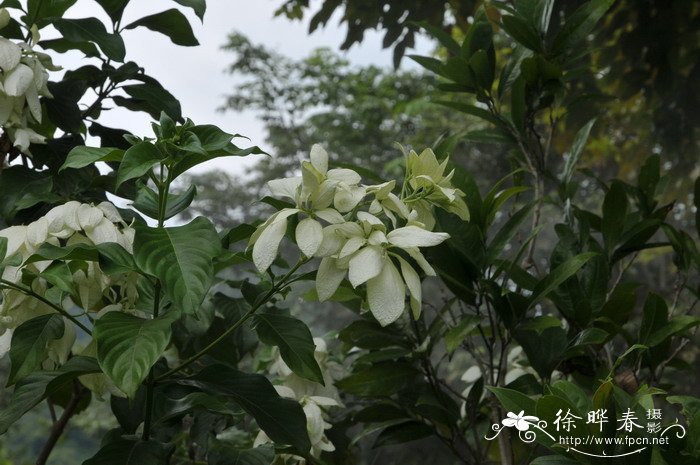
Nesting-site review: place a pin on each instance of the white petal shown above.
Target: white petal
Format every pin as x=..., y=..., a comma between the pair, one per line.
x=319, y=158
x=414, y=286
x=331, y=243
x=386, y=294
x=351, y=246
x=5, y=340
x=286, y=187
x=347, y=197
x=10, y=54
x=89, y=216
x=314, y=422
x=15, y=235
x=285, y=391
x=110, y=212
x=267, y=245
x=366, y=264
x=330, y=215
x=33, y=103
x=324, y=401
x=377, y=238
x=413, y=236
x=328, y=278
x=309, y=235
x=18, y=80
x=37, y=232
x=345, y=175
x=369, y=219
x=104, y=231
x=422, y=262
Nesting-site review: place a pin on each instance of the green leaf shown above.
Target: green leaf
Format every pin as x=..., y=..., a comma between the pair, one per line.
x=171, y=23
x=522, y=32
x=62, y=46
x=518, y=103
x=39, y=385
x=506, y=233
x=146, y=201
x=29, y=344
x=91, y=30
x=83, y=156
x=614, y=213
x=151, y=98
x=59, y=275
x=128, y=346
x=470, y=110
x=544, y=347
x=442, y=36
x=283, y=420
x=576, y=151
x=137, y=161
x=193, y=159
x=674, y=326
x=40, y=9
x=295, y=343
x=655, y=316
x=113, y=8
x=221, y=453
x=579, y=25
x=211, y=137
x=512, y=400
x=456, y=335
x=198, y=6
x=402, y=433
x=183, y=265
x=3, y=249
x=381, y=379
x=484, y=73
x=130, y=451
x=429, y=63
x=560, y=274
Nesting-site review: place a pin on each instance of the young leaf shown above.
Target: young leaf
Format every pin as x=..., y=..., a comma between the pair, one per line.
x=128, y=346
x=171, y=23
x=137, y=161
x=29, y=344
x=146, y=201
x=183, y=265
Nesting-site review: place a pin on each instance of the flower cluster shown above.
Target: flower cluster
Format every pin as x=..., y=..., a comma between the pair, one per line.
x=314, y=398
x=366, y=233
x=68, y=224
x=24, y=79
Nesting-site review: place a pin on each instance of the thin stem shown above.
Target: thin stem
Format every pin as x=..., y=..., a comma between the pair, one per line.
x=274, y=290
x=31, y=293
x=60, y=425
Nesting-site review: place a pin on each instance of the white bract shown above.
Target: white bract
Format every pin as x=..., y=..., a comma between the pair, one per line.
x=23, y=79
x=369, y=241
x=65, y=225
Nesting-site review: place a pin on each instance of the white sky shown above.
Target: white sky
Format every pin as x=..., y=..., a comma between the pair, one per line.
x=195, y=75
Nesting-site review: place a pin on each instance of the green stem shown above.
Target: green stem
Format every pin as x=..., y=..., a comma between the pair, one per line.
x=275, y=289
x=31, y=293
x=163, y=189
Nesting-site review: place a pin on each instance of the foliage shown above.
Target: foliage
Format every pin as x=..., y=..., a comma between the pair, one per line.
x=189, y=336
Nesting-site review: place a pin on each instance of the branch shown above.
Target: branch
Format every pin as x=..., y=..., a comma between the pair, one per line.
x=60, y=425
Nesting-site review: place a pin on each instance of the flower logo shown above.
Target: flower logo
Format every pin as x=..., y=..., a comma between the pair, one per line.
x=520, y=421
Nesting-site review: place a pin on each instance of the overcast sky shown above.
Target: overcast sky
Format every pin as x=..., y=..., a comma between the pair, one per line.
x=195, y=75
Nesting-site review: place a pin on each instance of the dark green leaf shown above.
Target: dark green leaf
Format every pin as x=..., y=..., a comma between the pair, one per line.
x=29, y=346
x=579, y=25
x=128, y=346
x=295, y=343
x=614, y=213
x=198, y=6
x=92, y=30
x=172, y=23
x=113, y=8
x=151, y=98
x=674, y=326
x=40, y=384
x=226, y=454
x=560, y=274
x=183, y=266
x=522, y=32
x=40, y=9
x=381, y=379
x=283, y=420
x=512, y=400
x=130, y=451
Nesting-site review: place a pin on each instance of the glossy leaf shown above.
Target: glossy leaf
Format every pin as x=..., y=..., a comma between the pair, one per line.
x=183, y=265
x=296, y=345
x=83, y=156
x=29, y=344
x=128, y=346
x=146, y=202
x=137, y=161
